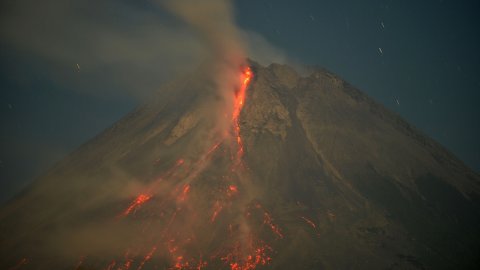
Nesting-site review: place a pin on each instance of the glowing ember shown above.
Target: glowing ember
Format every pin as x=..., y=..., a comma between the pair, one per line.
x=238, y=105
x=147, y=258
x=267, y=220
x=258, y=257
x=141, y=199
x=111, y=265
x=180, y=264
x=309, y=222
x=216, y=210
x=201, y=264
x=127, y=264
x=232, y=190
x=241, y=94
x=183, y=195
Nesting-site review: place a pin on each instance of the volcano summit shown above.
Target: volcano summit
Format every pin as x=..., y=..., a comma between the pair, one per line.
x=306, y=172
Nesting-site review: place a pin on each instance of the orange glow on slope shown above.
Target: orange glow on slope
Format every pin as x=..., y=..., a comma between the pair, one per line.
x=309, y=222
x=216, y=210
x=177, y=196
x=111, y=265
x=239, y=101
x=141, y=199
x=232, y=190
x=147, y=258
x=258, y=257
x=183, y=196
x=267, y=220
x=241, y=94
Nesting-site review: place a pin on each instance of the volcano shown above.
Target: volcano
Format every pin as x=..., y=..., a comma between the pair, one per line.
x=309, y=174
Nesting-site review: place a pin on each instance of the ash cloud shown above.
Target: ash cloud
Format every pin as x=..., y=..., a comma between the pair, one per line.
x=213, y=22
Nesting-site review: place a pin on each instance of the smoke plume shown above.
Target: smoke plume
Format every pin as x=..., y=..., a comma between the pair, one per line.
x=213, y=21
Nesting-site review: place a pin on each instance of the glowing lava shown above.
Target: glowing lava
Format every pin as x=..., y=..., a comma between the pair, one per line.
x=239, y=101
x=241, y=93
x=141, y=199
x=268, y=220
x=183, y=195
x=258, y=257
x=111, y=265
x=232, y=190
x=177, y=234
x=309, y=222
x=147, y=258
x=217, y=208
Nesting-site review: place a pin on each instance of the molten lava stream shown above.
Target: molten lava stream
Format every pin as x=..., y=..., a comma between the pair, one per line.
x=139, y=201
x=239, y=101
x=248, y=256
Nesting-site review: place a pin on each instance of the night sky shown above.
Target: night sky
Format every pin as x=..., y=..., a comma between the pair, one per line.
x=418, y=58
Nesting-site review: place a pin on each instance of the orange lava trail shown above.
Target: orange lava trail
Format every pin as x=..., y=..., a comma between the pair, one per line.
x=169, y=224
x=232, y=190
x=309, y=222
x=199, y=166
x=267, y=219
x=147, y=258
x=258, y=258
x=216, y=210
x=183, y=195
x=140, y=200
x=127, y=264
x=111, y=265
x=242, y=258
x=241, y=94
x=239, y=101
x=180, y=263
x=169, y=174
x=144, y=197
x=179, y=260
x=201, y=264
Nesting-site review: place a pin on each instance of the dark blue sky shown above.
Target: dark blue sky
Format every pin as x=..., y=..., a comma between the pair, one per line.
x=418, y=58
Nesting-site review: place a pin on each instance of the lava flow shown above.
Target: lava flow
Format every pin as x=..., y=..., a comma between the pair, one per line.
x=238, y=105
x=241, y=93
x=176, y=233
x=141, y=199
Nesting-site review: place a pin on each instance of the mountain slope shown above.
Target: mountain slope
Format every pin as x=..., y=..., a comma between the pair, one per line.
x=319, y=177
